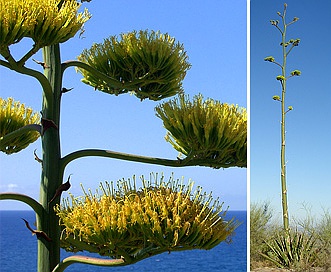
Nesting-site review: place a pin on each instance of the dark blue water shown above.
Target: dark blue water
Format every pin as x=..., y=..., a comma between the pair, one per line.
x=18, y=251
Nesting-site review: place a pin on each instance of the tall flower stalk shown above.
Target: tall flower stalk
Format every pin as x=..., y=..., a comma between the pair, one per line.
x=287, y=47
x=150, y=65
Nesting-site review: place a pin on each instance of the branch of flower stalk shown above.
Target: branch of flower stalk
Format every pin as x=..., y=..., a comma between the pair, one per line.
x=118, y=155
x=153, y=250
x=47, y=89
x=86, y=260
x=32, y=51
x=272, y=59
x=76, y=63
x=114, y=82
x=136, y=158
x=36, y=206
x=11, y=61
x=8, y=137
x=288, y=52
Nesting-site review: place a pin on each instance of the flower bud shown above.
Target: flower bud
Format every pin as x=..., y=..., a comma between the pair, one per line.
x=270, y=59
x=276, y=97
x=296, y=73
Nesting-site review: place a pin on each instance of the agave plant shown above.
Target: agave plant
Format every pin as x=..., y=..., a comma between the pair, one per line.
x=289, y=250
x=19, y=124
x=149, y=64
x=209, y=132
x=131, y=224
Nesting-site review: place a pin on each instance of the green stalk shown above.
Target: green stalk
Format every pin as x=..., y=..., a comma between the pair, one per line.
x=51, y=179
x=283, y=79
x=188, y=161
x=87, y=260
x=38, y=209
x=282, y=152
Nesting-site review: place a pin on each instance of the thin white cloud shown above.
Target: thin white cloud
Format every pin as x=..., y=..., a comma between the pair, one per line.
x=9, y=187
x=12, y=186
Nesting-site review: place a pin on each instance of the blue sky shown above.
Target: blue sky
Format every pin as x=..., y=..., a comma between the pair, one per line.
x=308, y=125
x=214, y=36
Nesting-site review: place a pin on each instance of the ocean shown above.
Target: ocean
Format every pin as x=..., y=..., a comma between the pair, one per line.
x=18, y=251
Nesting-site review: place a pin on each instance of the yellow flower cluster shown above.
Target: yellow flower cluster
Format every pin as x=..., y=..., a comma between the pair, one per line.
x=161, y=216
x=14, y=116
x=41, y=20
x=212, y=133
x=148, y=63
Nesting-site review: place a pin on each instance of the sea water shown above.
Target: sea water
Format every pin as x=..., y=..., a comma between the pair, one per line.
x=18, y=251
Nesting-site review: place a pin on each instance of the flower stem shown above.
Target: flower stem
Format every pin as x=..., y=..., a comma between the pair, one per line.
x=283, y=119
x=51, y=178
x=86, y=260
x=35, y=205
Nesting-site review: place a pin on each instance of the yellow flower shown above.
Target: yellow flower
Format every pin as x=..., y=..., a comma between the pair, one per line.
x=14, y=116
x=148, y=64
x=136, y=222
x=208, y=132
x=40, y=20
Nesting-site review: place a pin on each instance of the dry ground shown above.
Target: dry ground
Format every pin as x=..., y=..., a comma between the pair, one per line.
x=268, y=269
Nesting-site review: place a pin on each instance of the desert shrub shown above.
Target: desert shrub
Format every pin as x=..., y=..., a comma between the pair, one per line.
x=260, y=217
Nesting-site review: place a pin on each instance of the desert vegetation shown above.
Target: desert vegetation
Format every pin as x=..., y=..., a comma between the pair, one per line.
x=309, y=246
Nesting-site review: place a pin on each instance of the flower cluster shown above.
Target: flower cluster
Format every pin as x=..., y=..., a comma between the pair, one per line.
x=41, y=20
x=149, y=64
x=209, y=132
x=14, y=116
x=133, y=224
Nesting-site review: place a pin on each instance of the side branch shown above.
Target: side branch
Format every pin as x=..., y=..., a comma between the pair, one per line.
x=36, y=206
x=188, y=161
x=121, y=156
x=82, y=65
x=87, y=260
x=117, y=84
x=47, y=89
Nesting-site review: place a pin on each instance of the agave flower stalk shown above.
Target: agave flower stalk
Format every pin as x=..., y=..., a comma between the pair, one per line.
x=283, y=79
x=167, y=216
x=131, y=224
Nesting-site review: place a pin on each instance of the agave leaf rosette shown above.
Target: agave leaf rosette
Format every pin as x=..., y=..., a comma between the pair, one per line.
x=135, y=223
x=15, y=116
x=207, y=132
x=41, y=20
x=147, y=63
